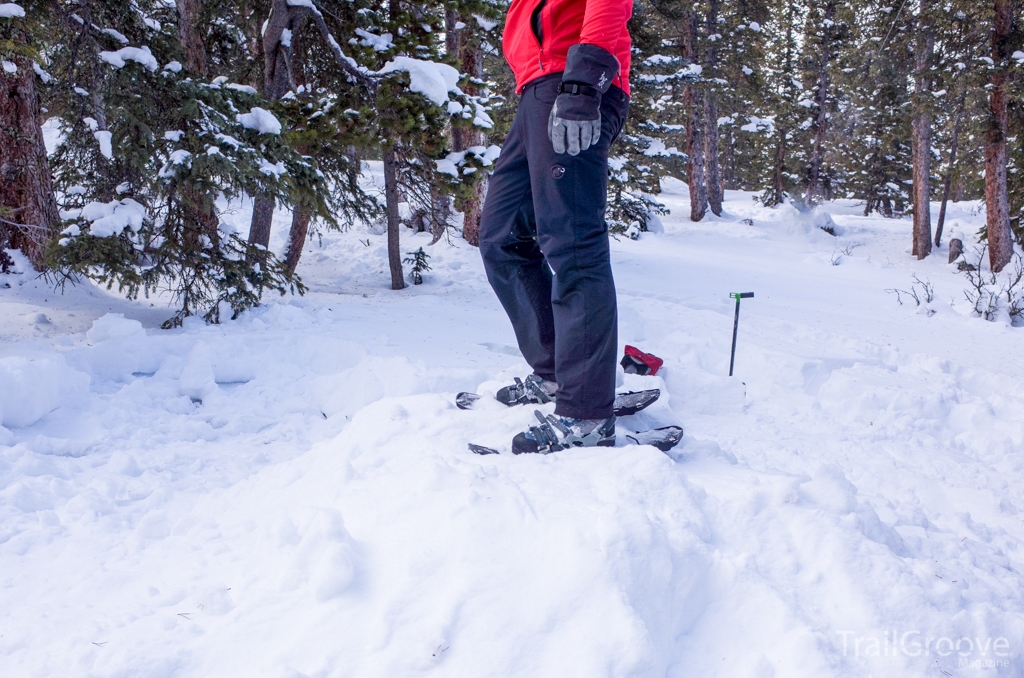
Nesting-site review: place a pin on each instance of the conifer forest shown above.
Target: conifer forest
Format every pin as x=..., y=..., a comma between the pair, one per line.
x=167, y=109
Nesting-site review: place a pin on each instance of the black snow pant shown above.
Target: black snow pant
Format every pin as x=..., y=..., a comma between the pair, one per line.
x=544, y=243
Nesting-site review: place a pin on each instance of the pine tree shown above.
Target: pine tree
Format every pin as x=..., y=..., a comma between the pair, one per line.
x=28, y=211
x=150, y=146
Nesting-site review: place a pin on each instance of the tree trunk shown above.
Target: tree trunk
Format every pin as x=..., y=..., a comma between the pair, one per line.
x=922, y=129
x=394, y=224
x=472, y=59
x=296, y=239
x=712, y=173
x=778, y=172
x=814, y=188
x=278, y=80
x=693, y=104
x=947, y=182
x=262, y=216
x=28, y=208
x=188, y=33
x=997, y=204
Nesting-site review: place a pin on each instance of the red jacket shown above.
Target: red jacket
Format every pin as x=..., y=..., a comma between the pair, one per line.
x=563, y=24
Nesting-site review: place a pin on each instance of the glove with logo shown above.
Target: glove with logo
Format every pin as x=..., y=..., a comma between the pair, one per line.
x=574, y=124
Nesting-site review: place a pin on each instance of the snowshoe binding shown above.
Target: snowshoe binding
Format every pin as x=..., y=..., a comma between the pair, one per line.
x=558, y=433
x=535, y=391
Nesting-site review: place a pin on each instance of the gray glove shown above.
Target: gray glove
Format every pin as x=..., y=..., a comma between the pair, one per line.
x=575, y=120
x=574, y=124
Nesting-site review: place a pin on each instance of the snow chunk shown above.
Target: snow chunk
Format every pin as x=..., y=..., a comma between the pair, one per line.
x=485, y=23
x=261, y=120
x=272, y=169
x=429, y=78
x=240, y=88
x=1018, y=56
x=380, y=43
x=754, y=26
x=173, y=67
x=113, y=326
x=34, y=388
x=110, y=218
x=43, y=75
x=196, y=379
x=453, y=162
x=9, y=10
x=116, y=35
x=9, y=67
x=140, y=55
x=106, y=149
x=173, y=135
x=179, y=157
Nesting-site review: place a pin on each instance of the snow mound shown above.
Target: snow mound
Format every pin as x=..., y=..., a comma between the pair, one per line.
x=140, y=55
x=110, y=218
x=9, y=10
x=261, y=120
x=114, y=326
x=32, y=388
x=431, y=79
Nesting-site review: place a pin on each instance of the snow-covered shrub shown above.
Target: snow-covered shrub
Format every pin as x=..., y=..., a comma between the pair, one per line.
x=992, y=293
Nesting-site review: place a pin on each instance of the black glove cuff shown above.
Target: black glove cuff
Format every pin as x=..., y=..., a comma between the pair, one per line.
x=590, y=65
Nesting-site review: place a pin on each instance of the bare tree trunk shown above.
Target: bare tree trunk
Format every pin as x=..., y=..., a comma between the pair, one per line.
x=28, y=209
x=947, y=182
x=278, y=80
x=693, y=103
x=296, y=239
x=712, y=173
x=778, y=172
x=997, y=203
x=814, y=188
x=922, y=129
x=472, y=59
x=394, y=224
x=188, y=33
x=262, y=215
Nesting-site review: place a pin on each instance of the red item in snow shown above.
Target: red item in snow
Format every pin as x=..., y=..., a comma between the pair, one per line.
x=637, y=362
x=564, y=23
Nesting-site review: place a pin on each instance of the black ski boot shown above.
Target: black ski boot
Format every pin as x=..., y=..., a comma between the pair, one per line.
x=534, y=391
x=556, y=433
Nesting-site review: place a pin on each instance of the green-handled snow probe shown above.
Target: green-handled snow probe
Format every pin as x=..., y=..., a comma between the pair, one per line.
x=736, y=323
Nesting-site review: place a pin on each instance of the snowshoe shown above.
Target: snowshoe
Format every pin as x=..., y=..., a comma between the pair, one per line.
x=664, y=438
x=625, y=403
x=558, y=433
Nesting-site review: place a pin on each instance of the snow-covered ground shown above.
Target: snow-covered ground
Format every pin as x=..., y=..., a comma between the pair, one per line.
x=849, y=504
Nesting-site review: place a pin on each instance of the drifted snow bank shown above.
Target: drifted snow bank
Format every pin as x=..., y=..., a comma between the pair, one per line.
x=31, y=388
x=290, y=493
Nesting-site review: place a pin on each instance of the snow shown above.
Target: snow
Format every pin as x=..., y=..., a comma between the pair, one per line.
x=1019, y=56
x=110, y=218
x=43, y=75
x=9, y=10
x=380, y=43
x=485, y=23
x=173, y=66
x=261, y=120
x=140, y=55
x=290, y=493
x=431, y=79
x=103, y=137
x=247, y=89
x=9, y=67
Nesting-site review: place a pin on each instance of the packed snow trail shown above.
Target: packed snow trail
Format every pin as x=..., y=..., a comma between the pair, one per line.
x=290, y=494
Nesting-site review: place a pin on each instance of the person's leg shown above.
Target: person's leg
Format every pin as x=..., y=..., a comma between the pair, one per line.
x=512, y=259
x=569, y=196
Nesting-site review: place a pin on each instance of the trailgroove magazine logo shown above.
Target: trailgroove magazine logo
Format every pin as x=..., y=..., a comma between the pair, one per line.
x=987, y=652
